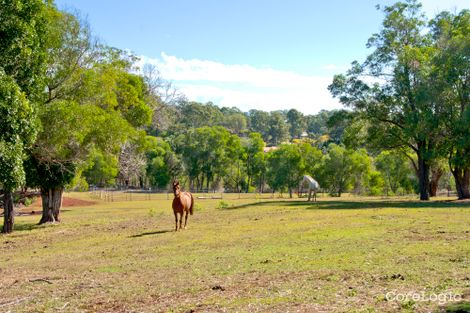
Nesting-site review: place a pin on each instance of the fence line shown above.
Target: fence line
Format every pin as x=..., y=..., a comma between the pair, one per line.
x=116, y=195
x=111, y=195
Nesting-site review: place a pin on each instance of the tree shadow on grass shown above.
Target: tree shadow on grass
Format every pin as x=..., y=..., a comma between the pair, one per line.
x=26, y=226
x=22, y=227
x=351, y=205
x=462, y=307
x=18, y=227
x=151, y=233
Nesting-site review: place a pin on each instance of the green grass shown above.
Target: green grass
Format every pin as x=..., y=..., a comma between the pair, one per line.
x=250, y=254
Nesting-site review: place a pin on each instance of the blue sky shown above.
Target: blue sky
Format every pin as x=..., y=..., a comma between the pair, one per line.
x=256, y=54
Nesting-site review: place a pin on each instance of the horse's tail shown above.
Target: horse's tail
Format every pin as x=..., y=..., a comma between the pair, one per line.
x=191, y=211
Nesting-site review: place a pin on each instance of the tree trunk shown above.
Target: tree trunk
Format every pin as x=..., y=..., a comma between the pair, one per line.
x=423, y=176
x=51, y=204
x=8, y=215
x=436, y=174
x=462, y=182
x=261, y=182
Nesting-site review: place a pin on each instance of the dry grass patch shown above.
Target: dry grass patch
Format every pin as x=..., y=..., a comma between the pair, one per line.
x=253, y=255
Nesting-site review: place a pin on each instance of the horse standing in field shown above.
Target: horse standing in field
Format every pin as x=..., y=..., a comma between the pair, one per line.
x=312, y=184
x=182, y=203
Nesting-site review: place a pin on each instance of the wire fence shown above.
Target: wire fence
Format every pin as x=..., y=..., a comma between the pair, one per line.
x=116, y=195
x=128, y=195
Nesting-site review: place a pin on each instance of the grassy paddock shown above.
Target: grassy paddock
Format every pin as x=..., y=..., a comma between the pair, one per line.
x=247, y=255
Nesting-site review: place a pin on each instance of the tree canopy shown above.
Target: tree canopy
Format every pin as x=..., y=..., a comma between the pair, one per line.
x=22, y=47
x=394, y=88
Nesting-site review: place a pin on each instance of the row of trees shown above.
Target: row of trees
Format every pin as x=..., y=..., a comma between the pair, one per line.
x=242, y=165
x=143, y=163
x=275, y=127
x=212, y=158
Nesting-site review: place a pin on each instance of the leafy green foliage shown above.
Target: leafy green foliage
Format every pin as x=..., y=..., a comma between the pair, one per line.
x=235, y=175
x=398, y=105
x=235, y=122
x=22, y=43
x=278, y=130
x=23, y=54
x=204, y=154
x=163, y=165
x=222, y=205
x=396, y=171
x=11, y=165
x=286, y=166
x=70, y=132
x=70, y=53
x=337, y=171
x=338, y=123
x=48, y=175
x=279, y=166
x=259, y=123
x=345, y=169
x=17, y=132
x=102, y=170
x=196, y=115
x=317, y=124
x=112, y=88
x=451, y=68
x=312, y=157
x=255, y=160
x=93, y=104
x=296, y=121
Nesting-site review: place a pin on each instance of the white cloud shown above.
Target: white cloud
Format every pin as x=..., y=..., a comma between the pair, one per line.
x=245, y=86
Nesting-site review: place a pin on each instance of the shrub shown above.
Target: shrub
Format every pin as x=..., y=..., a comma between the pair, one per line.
x=222, y=205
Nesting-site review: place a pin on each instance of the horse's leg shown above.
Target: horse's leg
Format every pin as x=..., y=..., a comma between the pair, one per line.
x=186, y=218
x=181, y=219
x=176, y=220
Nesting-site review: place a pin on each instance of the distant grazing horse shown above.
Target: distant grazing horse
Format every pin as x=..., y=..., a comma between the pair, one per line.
x=313, y=185
x=183, y=202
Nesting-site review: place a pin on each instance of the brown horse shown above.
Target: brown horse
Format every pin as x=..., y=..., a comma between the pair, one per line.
x=183, y=202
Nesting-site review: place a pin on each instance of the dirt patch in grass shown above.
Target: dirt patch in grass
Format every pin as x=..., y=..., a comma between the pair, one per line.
x=36, y=207
x=66, y=202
